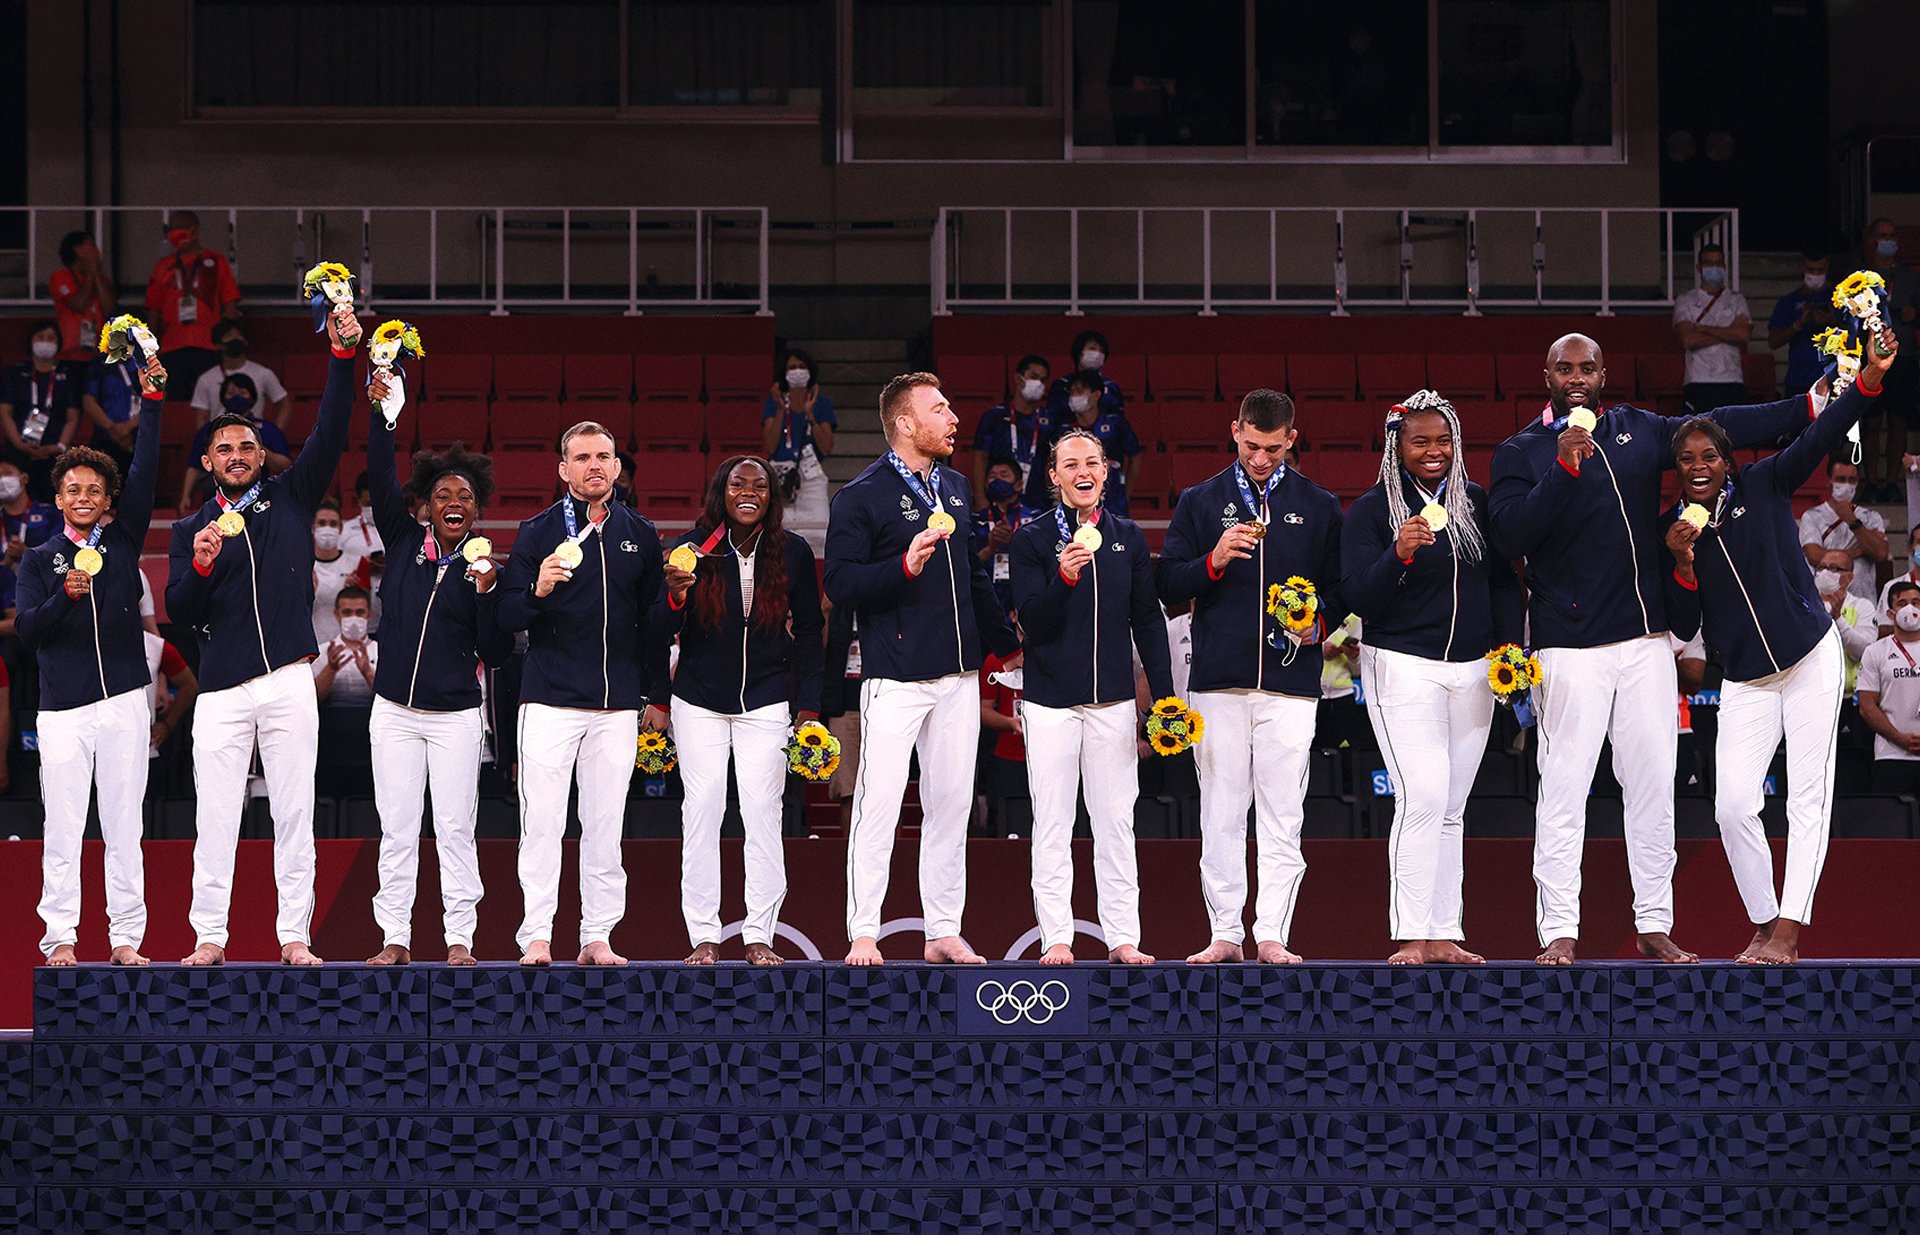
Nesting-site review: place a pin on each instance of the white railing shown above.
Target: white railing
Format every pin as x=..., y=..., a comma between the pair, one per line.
x=497, y=258
x=1077, y=258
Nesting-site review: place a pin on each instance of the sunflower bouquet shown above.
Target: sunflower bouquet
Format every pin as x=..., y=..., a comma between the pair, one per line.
x=813, y=754
x=1512, y=673
x=656, y=755
x=127, y=337
x=1172, y=726
x=1862, y=298
x=1294, y=604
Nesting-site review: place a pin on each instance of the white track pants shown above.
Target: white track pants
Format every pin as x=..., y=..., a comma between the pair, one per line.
x=1432, y=718
x=757, y=741
x=412, y=748
x=556, y=745
x=1090, y=747
x=280, y=712
x=1803, y=704
x=1254, y=754
x=941, y=719
x=1628, y=692
x=104, y=742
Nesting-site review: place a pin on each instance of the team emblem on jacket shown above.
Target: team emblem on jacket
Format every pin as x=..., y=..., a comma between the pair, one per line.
x=59, y=563
x=954, y=500
x=1291, y=517
x=627, y=546
x=262, y=505
x=420, y=558
x=909, y=509
x=1737, y=512
x=1623, y=439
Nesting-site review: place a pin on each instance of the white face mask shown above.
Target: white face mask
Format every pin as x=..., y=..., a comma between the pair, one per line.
x=1828, y=581
x=799, y=379
x=1092, y=358
x=353, y=629
x=1079, y=405
x=9, y=488
x=1907, y=618
x=1814, y=281
x=43, y=350
x=1843, y=490
x=326, y=538
x=1033, y=390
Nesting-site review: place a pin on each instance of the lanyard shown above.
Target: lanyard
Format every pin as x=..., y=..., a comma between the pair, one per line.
x=573, y=521
x=1060, y=518
x=1902, y=649
x=440, y=562
x=1432, y=499
x=1257, y=509
x=1013, y=435
x=243, y=501
x=928, y=492
x=93, y=537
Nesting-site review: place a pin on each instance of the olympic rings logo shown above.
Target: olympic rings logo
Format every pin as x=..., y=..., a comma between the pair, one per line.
x=1022, y=1000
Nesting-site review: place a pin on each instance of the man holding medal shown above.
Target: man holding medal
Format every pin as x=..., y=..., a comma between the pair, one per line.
x=1232, y=540
x=582, y=579
x=79, y=609
x=924, y=606
x=240, y=572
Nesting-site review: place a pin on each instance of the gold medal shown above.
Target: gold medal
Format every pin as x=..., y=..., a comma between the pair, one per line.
x=941, y=522
x=1088, y=538
x=1581, y=418
x=684, y=558
x=1696, y=514
x=1435, y=514
x=88, y=561
x=476, y=549
x=231, y=524
x=570, y=554
x=1256, y=529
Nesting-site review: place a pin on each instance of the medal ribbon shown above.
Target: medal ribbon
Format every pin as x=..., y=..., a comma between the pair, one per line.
x=240, y=503
x=1257, y=509
x=929, y=492
x=438, y=562
x=1066, y=530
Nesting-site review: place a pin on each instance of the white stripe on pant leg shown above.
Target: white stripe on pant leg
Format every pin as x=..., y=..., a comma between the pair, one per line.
x=1469, y=720
x=949, y=745
x=223, y=740
x=1407, y=705
x=605, y=772
x=1646, y=734
x=1283, y=734
x=1573, y=704
x=891, y=714
x=288, y=719
x=67, y=738
x=1053, y=740
x=120, y=772
x=760, y=769
x=549, y=744
x=1812, y=711
x=1225, y=762
x=704, y=740
x=455, y=742
x=400, y=768
x=1749, y=732
x=1110, y=772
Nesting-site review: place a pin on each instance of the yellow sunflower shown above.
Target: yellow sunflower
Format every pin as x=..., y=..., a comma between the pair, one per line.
x=811, y=735
x=1501, y=677
x=1170, y=706
x=829, y=768
x=1298, y=584
x=1196, y=726
x=1534, y=672
x=1166, y=744
x=1855, y=283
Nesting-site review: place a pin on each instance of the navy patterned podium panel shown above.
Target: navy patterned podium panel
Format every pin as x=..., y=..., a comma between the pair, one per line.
x=1601, y=1098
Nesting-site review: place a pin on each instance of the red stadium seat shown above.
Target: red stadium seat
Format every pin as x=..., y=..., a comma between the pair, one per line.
x=738, y=379
x=1151, y=493
x=617, y=417
x=306, y=374
x=734, y=429
x=1241, y=373
x=1521, y=373
x=468, y=378
x=525, y=478
x=529, y=378
x=669, y=426
x=1388, y=377
x=1336, y=424
x=529, y=424
x=1462, y=375
x=1480, y=465
x=155, y=569
x=1484, y=423
x=1347, y=473
x=599, y=378
x=673, y=379
x=1182, y=378
x=441, y=423
x=178, y=423
x=1191, y=469
x=1621, y=378
x=1128, y=369
x=1763, y=382
x=673, y=485
x=1147, y=419
x=1659, y=374
x=1198, y=427
x=967, y=380
x=1320, y=375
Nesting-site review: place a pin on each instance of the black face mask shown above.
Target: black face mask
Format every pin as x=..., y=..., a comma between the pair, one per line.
x=999, y=490
x=235, y=347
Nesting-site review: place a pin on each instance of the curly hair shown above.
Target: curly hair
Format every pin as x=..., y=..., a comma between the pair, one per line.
x=456, y=460
x=87, y=456
x=770, y=564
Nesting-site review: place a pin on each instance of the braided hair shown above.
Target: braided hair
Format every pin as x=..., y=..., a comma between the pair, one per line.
x=1461, y=523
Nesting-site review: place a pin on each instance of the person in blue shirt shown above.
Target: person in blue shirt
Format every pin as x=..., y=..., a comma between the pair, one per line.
x=1086, y=409
x=109, y=396
x=1801, y=314
x=1089, y=354
x=995, y=524
x=797, y=426
x=39, y=408
x=1016, y=429
x=27, y=522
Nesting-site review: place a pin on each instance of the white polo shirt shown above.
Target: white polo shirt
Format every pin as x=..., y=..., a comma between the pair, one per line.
x=1821, y=527
x=1892, y=670
x=1716, y=362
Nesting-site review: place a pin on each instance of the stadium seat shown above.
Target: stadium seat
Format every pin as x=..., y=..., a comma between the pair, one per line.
x=468, y=378
x=1190, y=469
x=1340, y=424
x=739, y=379
x=1241, y=373
x=523, y=480
x=178, y=423
x=1206, y=428
x=675, y=485
x=734, y=429
x=1763, y=383
x=1480, y=465
x=1521, y=373
x=599, y=378
x=154, y=567
x=669, y=426
x=444, y=422
x=525, y=378
x=1147, y=420
x=616, y=416
x=970, y=380
x=1129, y=369
x=1320, y=375
x=1347, y=473
x=1181, y=378
x=674, y=379
x=1658, y=374
x=1151, y=494
x=1388, y=377
x=527, y=423
x=1483, y=423
x=1622, y=380
x=1462, y=375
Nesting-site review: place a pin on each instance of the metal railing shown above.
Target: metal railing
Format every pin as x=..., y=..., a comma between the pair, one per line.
x=1077, y=258
x=497, y=258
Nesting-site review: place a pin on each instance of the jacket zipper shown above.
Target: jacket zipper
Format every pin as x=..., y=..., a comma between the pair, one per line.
x=99, y=661
x=1633, y=546
x=1260, y=622
x=1453, y=616
x=746, y=621
x=606, y=680
x=253, y=571
x=421, y=647
x=953, y=588
x=1094, y=566
x=1739, y=583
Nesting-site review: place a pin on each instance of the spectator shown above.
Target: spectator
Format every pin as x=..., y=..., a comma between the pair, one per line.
x=1801, y=314
x=26, y=522
x=1005, y=773
x=1853, y=615
x=343, y=672
x=994, y=525
x=1890, y=694
x=174, y=689
x=110, y=400
x=83, y=297
x=796, y=428
x=840, y=700
x=237, y=390
x=623, y=493
x=1341, y=719
x=218, y=389
x=1089, y=354
x=1858, y=531
x=1016, y=429
x=359, y=537
x=39, y=408
x=1084, y=410
x=189, y=290
x=1714, y=326
x=334, y=571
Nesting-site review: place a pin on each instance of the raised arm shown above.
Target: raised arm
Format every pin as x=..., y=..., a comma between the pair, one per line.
x=135, y=507
x=312, y=473
x=383, y=478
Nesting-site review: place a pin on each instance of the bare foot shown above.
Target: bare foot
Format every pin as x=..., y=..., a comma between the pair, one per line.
x=392, y=954
x=600, y=953
x=1781, y=948
x=1219, y=952
x=951, y=950
x=704, y=954
x=125, y=954
x=1660, y=948
x=297, y=953
x=1559, y=952
x=761, y=954
x=865, y=951
x=1127, y=954
x=460, y=954
x=1447, y=952
x=1410, y=952
x=1761, y=934
x=1058, y=954
x=62, y=956
x=206, y=954
x=539, y=952
x=1272, y=953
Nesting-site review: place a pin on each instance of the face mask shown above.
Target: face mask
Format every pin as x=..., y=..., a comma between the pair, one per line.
x=1712, y=276
x=1828, y=581
x=1079, y=405
x=326, y=538
x=1033, y=390
x=1092, y=358
x=180, y=237
x=1886, y=248
x=234, y=347
x=1843, y=490
x=798, y=379
x=238, y=404
x=1908, y=618
x=9, y=488
x=43, y=350
x=1814, y=282
x=353, y=629
x=999, y=490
